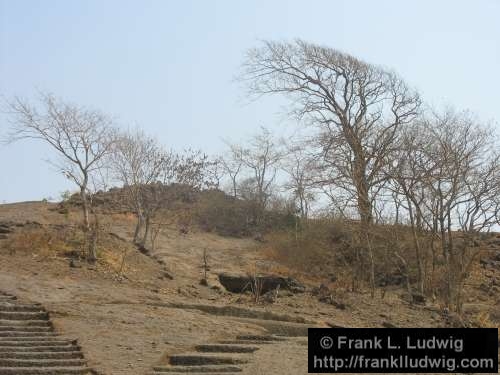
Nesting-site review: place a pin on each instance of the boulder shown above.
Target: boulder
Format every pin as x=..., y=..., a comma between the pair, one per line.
x=236, y=283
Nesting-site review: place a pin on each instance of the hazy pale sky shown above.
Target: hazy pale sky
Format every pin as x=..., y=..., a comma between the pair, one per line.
x=168, y=66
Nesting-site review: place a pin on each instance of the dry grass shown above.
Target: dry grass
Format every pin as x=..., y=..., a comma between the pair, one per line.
x=115, y=256
x=44, y=241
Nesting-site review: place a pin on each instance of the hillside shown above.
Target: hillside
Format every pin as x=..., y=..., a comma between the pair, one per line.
x=130, y=314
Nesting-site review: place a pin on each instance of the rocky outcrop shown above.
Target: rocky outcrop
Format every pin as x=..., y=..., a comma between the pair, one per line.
x=236, y=283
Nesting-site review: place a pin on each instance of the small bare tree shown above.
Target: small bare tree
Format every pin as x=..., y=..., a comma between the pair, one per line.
x=301, y=168
x=137, y=161
x=233, y=165
x=82, y=138
x=260, y=157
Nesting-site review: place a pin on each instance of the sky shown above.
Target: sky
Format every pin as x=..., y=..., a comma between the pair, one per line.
x=170, y=66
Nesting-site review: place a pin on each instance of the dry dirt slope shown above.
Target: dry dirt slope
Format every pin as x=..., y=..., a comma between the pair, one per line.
x=131, y=325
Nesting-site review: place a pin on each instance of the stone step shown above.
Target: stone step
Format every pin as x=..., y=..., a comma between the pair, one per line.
x=224, y=348
x=194, y=372
x=7, y=298
x=41, y=363
x=245, y=342
x=20, y=328
x=9, y=306
x=265, y=338
x=40, y=349
x=29, y=323
x=4, y=334
x=41, y=355
x=45, y=371
x=24, y=315
x=40, y=342
x=197, y=369
x=195, y=359
x=30, y=338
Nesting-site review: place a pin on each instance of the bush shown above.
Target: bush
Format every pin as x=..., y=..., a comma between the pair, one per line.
x=229, y=216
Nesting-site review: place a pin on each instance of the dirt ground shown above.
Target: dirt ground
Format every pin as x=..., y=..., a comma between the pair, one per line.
x=126, y=325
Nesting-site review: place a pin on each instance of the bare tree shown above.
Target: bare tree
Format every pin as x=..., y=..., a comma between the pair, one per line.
x=358, y=107
x=137, y=160
x=81, y=137
x=301, y=168
x=233, y=165
x=181, y=177
x=215, y=172
x=463, y=180
x=449, y=175
x=260, y=157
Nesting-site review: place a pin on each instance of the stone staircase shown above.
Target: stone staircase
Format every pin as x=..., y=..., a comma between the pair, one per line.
x=29, y=345
x=226, y=357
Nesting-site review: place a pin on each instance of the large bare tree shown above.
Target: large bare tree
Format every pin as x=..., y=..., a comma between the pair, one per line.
x=81, y=138
x=357, y=107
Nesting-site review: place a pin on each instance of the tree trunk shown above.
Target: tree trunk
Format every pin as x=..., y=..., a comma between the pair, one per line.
x=147, y=227
x=416, y=243
x=94, y=237
x=138, y=227
x=85, y=205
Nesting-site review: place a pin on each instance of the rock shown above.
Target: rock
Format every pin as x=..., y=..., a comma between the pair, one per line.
x=3, y=236
x=332, y=301
x=321, y=291
x=235, y=283
x=388, y=325
x=415, y=297
x=325, y=295
x=454, y=320
x=334, y=325
x=167, y=275
x=270, y=297
x=259, y=238
x=418, y=298
x=74, y=264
